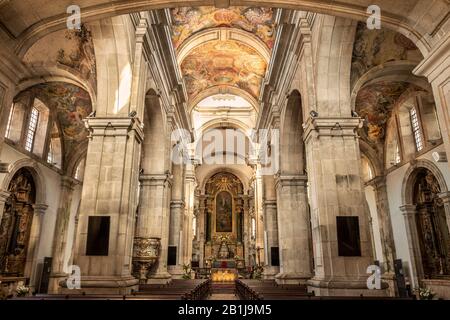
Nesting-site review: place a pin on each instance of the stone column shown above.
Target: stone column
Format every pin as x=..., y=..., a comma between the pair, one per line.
x=58, y=272
x=154, y=219
x=386, y=231
x=293, y=229
x=334, y=172
x=201, y=228
x=271, y=237
x=258, y=203
x=188, y=215
x=436, y=67
x=4, y=195
x=445, y=197
x=110, y=190
x=176, y=228
x=416, y=268
x=33, y=244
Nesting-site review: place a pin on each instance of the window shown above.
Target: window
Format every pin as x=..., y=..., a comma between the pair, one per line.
x=398, y=157
x=253, y=228
x=50, y=153
x=416, y=129
x=8, y=127
x=32, y=125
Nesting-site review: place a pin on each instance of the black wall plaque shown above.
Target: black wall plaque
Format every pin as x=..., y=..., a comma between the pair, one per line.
x=45, y=275
x=400, y=278
x=172, y=256
x=349, y=244
x=275, y=256
x=98, y=236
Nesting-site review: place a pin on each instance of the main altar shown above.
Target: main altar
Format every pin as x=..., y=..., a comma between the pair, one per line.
x=225, y=259
x=223, y=210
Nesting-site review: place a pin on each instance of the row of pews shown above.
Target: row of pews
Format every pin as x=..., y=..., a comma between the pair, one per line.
x=175, y=290
x=270, y=290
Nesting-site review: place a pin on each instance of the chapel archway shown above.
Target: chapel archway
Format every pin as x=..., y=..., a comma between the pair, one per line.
x=15, y=226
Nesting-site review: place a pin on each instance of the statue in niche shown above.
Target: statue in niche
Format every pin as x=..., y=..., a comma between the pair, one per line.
x=224, y=212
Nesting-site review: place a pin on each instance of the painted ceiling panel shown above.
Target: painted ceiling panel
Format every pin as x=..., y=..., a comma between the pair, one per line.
x=218, y=63
x=190, y=20
x=375, y=103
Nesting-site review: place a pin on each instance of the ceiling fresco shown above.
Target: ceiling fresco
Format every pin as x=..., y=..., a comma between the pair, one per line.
x=375, y=103
x=219, y=63
x=189, y=20
x=375, y=47
x=72, y=105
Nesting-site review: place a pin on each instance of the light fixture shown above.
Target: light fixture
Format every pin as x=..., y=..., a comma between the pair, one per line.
x=314, y=114
x=132, y=114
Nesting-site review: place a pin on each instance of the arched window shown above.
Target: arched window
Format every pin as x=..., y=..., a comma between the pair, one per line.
x=367, y=170
x=417, y=132
x=36, y=133
x=16, y=121
x=31, y=130
x=79, y=172
x=393, y=147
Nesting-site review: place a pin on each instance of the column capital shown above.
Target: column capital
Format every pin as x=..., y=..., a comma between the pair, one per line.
x=377, y=182
x=68, y=182
x=4, y=195
x=114, y=126
x=175, y=204
x=156, y=179
x=282, y=180
x=332, y=127
x=444, y=196
x=408, y=209
x=269, y=204
x=40, y=208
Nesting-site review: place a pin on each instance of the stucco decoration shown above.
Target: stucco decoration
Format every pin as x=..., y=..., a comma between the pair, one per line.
x=190, y=20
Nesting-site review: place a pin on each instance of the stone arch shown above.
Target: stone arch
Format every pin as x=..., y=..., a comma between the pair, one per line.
x=292, y=149
x=226, y=89
x=411, y=175
x=155, y=153
x=222, y=34
x=389, y=71
x=372, y=156
x=419, y=33
x=49, y=75
x=234, y=171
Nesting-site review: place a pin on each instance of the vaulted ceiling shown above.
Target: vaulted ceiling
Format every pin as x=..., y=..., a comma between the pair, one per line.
x=223, y=48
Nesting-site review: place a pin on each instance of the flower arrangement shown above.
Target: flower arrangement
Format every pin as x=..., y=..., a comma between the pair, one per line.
x=187, y=271
x=425, y=294
x=22, y=290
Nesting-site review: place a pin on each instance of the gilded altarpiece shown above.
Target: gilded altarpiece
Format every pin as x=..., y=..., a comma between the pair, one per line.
x=224, y=222
x=16, y=223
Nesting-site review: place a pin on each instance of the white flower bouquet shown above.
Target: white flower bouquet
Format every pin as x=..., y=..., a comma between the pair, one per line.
x=22, y=290
x=425, y=294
